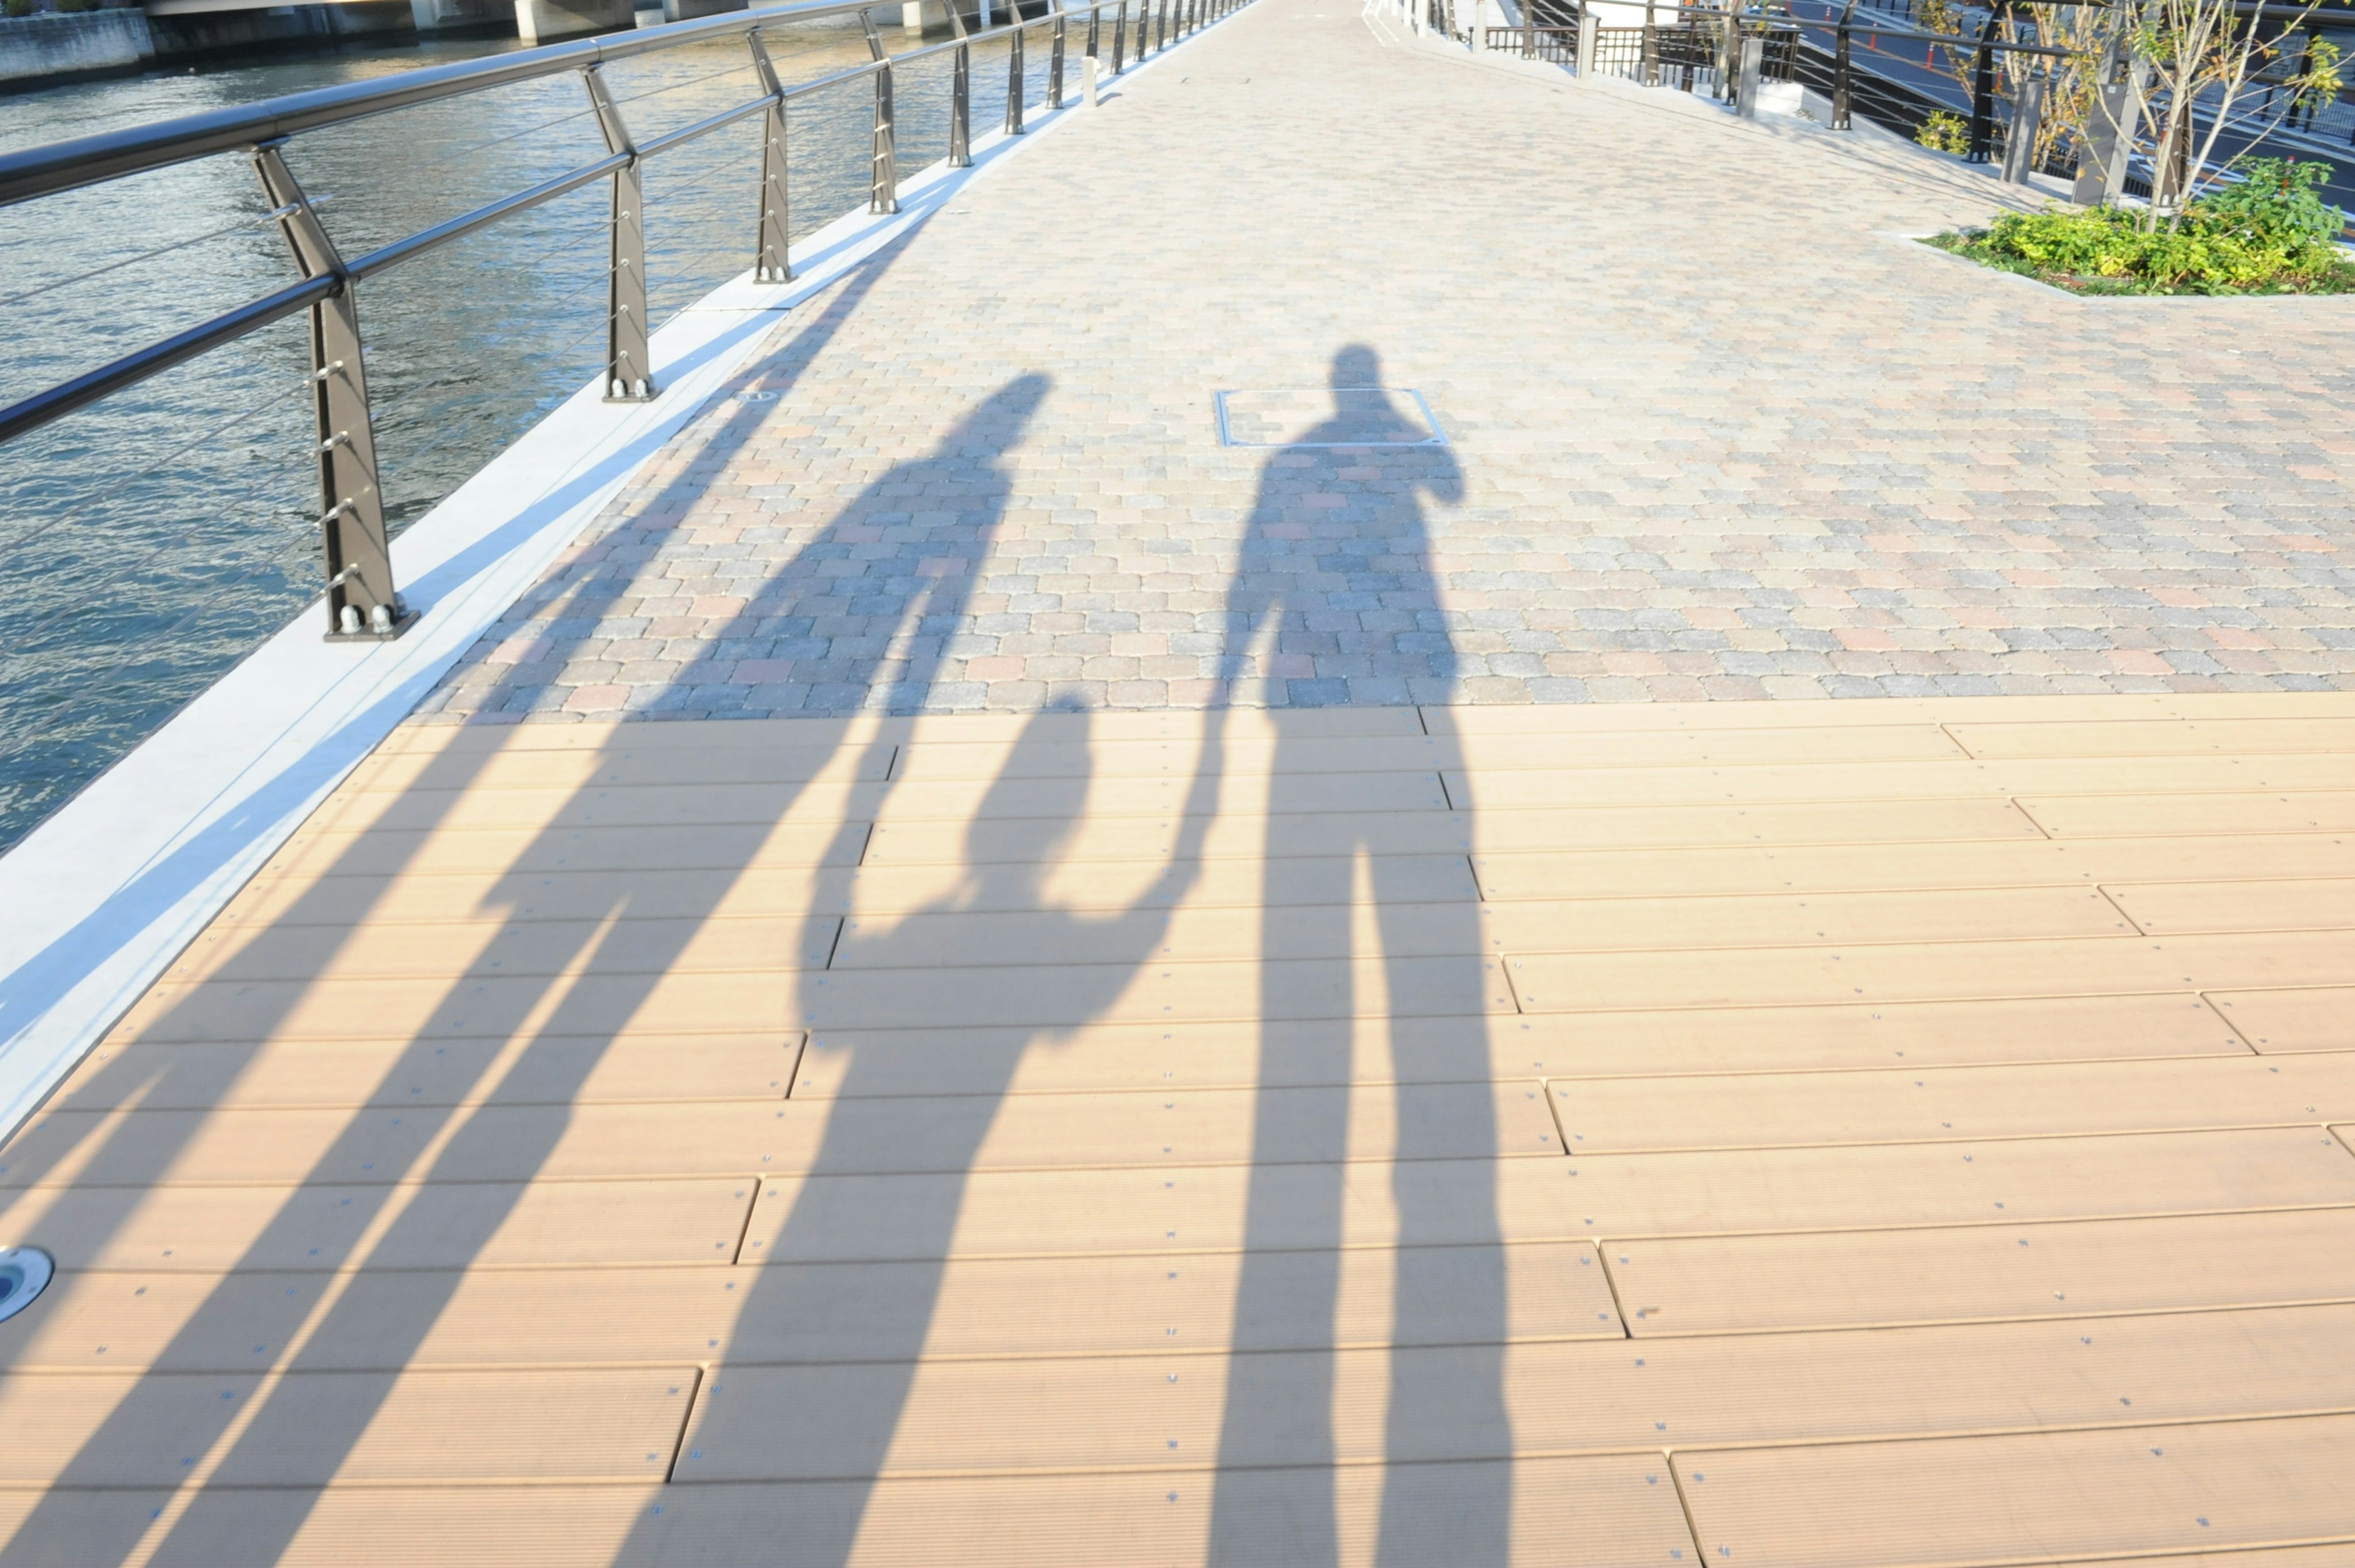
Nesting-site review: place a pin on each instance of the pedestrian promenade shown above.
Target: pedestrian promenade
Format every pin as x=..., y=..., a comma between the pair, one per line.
x=979, y=977
x=1716, y=431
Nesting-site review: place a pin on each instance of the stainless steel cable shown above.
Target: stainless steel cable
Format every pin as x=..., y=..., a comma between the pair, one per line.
x=242, y=223
x=742, y=67
x=10, y=547
x=499, y=140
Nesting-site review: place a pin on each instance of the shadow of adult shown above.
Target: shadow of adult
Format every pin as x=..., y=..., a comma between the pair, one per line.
x=547, y=1031
x=1334, y=575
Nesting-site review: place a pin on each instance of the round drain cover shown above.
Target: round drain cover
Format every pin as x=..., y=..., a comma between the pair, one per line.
x=24, y=1273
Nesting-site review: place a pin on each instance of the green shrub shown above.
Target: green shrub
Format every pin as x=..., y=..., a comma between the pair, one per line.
x=18, y=8
x=2269, y=232
x=2277, y=200
x=1945, y=133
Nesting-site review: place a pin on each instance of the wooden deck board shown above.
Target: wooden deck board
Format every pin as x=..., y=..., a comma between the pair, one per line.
x=448, y=951
x=1334, y=754
x=442, y=1225
x=1497, y=832
x=2068, y=712
x=1601, y=1116
x=635, y=995
x=1597, y=1513
x=510, y=1308
x=1700, y=1041
x=606, y=1424
x=487, y=1109
x=1838, y=867
x=2320, y=1018
x=2167, y=908
x=2090, y=1268
x=872, y=890
x=1416, y=929
x=516, y=855
x=2159, y=737
x=396, y=1071
x=511, y=1143
x=1533, y=789
x=2134, y=816
x=1928, y=972
x=1560, y=1397
x=2160, y=1489
x=1804, y=1188
x=1439, y=1202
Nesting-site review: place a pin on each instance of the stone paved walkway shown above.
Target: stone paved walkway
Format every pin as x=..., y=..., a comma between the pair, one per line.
x=1717, y=432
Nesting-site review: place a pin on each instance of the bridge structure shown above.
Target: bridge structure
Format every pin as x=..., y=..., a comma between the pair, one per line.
x=1369, y=808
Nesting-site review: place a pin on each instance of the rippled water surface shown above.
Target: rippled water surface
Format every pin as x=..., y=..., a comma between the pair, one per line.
x=149, y=543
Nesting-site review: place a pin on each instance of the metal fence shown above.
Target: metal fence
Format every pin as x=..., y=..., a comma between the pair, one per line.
x=1710, y=48
x=1686, y=54
x=363, y=599
x=1556, y=45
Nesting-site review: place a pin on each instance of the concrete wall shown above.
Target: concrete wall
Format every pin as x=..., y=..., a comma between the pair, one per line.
x=461, y=15
x=72, y=44
x=544, y=21
x=199, y=27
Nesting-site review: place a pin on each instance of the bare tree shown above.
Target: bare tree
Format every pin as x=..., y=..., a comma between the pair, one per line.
x=2195, y=66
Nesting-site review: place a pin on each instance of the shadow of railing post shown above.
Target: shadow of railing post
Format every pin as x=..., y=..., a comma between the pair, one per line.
x=967, y=462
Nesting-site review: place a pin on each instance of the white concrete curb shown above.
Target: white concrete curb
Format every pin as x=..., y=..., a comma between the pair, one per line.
x=100, y=897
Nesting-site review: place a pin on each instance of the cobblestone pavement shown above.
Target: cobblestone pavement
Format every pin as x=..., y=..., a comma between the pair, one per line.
x=1718, y=431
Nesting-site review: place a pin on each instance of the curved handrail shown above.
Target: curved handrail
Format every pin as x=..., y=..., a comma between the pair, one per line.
x=111, y=154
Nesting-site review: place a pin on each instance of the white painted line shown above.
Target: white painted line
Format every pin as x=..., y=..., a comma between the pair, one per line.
x=100, y=897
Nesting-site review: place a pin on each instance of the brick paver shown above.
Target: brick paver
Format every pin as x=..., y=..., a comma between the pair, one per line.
x=1717, y=432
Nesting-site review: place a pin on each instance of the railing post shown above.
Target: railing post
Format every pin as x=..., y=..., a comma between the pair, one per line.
x=629, y=364
x=2172, y=168
x=2101, y=164
x=1841, y=71
x=362, y=604
x=1014, y=71
x=883, y=188
x=1590, y=37
x=1120, y=37
x=1648, y=67
x=1982, y=91
x=2020, y=140
x=1095, y=30
x=772, y=263
x=1745, y=80
x=1055, y=61
x=960, y=95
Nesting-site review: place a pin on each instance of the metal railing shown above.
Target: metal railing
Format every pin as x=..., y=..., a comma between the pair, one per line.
x=1555, y=45
x=363, y=599
x=1693, y=45
x=1729, y=51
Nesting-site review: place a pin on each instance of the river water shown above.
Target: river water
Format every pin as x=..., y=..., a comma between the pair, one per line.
x=149, y=543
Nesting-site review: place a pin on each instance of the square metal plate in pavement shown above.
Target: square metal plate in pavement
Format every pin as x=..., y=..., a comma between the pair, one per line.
x=1328, y=416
